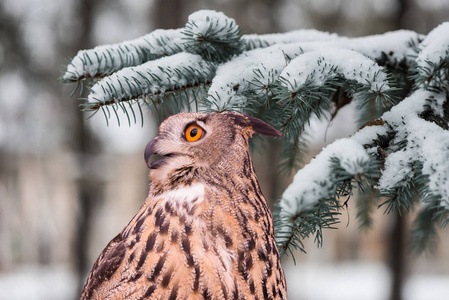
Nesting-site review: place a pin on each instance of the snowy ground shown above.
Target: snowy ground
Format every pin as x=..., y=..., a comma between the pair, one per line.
x=38, y=283
x=358, y=281
x=306, y=281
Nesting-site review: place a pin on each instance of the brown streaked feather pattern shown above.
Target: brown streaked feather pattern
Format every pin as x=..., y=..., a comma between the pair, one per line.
x=204, y=232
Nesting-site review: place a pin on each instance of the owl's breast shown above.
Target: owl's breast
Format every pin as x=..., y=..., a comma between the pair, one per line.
x=195, y=243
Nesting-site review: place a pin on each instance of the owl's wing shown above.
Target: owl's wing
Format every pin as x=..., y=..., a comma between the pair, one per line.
x=140, y=258
x=105, y=266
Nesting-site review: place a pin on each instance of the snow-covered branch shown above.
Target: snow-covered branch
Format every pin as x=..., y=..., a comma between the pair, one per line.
x=413, y=153
x=106, y=59
x=399, y=82
x=167, y=74
x=311, y=202
x=432, y=61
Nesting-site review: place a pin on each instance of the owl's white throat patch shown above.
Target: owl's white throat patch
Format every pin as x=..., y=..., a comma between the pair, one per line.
x=192, y=194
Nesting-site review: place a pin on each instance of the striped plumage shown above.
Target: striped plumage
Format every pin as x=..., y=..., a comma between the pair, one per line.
x=205, y=231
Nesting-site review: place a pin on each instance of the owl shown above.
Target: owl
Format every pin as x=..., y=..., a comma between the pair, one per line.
x=205, y=230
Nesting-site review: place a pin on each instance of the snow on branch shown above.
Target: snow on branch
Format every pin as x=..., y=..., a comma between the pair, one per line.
x=310, y=203
x=251, y=72
x=207, y=33
x=319, y=67
x=395, y=45
x=106, y=59
x=212, y=34
x=217, y=39
x=308, y=185
x=432, y=61
x=421, y=157
x=168, y=74
x=413, y=156
x=253, y=41
x=307, y=84
x=413, y=153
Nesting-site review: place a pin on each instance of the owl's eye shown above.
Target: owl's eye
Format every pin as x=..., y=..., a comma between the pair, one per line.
x=193, y=133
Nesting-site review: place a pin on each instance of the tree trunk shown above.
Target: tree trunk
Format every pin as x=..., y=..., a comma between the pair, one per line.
x=400, y=20
x=397, y=237
x=84, y=144
x=168, y=14
x=397, y=255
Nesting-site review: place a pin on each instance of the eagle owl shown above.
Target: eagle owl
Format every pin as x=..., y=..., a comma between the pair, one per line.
x=205, y=231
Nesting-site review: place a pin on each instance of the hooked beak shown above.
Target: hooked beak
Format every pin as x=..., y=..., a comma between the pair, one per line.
x=149, y=150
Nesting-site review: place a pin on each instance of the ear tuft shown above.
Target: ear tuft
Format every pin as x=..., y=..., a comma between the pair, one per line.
x=263, y=128
x=255, y=125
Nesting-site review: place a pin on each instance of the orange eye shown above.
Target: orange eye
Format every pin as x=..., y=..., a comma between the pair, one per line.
x=193, y=133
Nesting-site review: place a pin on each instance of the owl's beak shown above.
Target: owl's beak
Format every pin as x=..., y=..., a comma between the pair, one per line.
x=149, y=150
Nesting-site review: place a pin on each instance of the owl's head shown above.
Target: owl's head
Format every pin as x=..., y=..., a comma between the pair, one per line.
x=199, y=140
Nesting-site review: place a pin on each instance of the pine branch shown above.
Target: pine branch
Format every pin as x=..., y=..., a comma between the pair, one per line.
x=212, y=35
x=389, y=49
x=365, y=206
x=436, y=112
x=149, y=83
x=424, y=236
x=402, y=197
x=316, y=189
x=235, y=88
x=291, y=232
x=431, y=69
x=293, y=151
x=311, y=202
x=417, y=142
x=107, y=59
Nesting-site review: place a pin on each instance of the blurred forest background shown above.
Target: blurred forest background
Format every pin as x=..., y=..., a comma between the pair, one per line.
x=68, y=186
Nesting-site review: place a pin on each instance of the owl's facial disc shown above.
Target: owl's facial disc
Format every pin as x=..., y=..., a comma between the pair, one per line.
x=171, y=145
